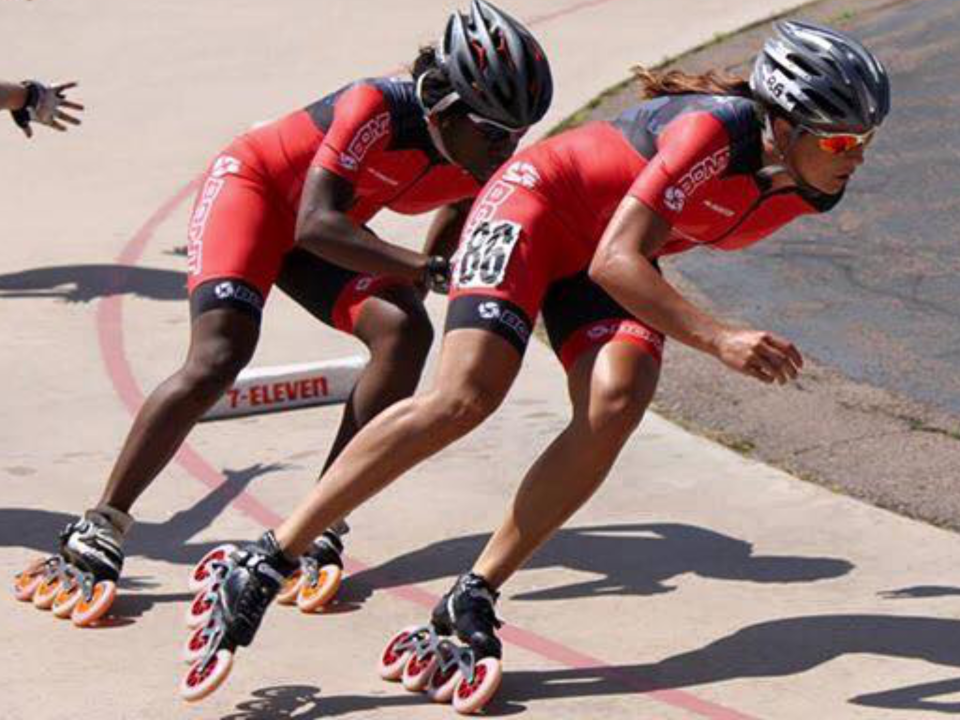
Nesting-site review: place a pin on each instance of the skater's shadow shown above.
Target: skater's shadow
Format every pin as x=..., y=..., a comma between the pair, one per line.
x=304, y=702
x=920, y=591
x=83, y=283
x=628, y=559
x=778, y=648
x=168, y=541
x=772, y=649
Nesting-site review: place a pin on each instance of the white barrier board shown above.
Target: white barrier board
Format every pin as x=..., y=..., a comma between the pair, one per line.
x=284, y=387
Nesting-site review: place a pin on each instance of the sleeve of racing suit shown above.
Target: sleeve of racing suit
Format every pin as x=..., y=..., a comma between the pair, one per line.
x=361, y=124
x=692, y=152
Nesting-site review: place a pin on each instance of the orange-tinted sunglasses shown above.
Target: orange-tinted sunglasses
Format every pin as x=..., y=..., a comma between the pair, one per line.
x=840, y=143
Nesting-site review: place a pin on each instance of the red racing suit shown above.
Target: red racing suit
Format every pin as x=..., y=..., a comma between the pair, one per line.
x=532, y=232
x=241, y=234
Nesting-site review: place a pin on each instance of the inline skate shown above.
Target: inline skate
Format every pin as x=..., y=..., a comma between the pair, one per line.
x=237, y=588
x=79, y=582
x=425, y=658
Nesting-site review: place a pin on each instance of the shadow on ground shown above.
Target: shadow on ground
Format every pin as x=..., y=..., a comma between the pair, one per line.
x=168, y=541
x=627, y=559
x=83, y=283
x=776, y=648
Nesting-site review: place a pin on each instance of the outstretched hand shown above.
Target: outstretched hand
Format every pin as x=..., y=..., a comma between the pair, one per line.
x=762, y=355
x=48, y=105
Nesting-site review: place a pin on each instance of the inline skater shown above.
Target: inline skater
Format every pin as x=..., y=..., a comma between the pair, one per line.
x=573, y=228
x=286, y=205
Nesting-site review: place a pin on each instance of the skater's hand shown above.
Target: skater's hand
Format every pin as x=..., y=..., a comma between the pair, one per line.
x=762, y=355
x=48, y=106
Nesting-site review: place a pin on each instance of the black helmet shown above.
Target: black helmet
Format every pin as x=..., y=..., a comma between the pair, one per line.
x=821, y=79
x=496, y=66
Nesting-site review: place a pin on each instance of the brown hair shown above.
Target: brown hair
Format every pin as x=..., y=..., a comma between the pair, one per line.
x=654, y=83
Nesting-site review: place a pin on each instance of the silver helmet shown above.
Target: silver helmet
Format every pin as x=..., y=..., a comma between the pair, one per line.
x=496, y=66
x=821, y=79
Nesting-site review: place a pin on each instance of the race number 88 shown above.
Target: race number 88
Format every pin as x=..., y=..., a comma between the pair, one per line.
x=484, y=256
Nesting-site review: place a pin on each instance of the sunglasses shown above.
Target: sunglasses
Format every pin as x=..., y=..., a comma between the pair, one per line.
x=840, y=143
x=493, y=131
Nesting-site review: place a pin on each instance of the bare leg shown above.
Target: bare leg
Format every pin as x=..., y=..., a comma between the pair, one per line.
x=476, y=370
x=221, y=343
x=396, y=329
x=610, y=390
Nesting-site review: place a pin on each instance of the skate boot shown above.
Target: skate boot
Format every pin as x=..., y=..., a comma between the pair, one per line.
x=80, y=582
x=425, y=658
x=316, y=582
x=242, y=588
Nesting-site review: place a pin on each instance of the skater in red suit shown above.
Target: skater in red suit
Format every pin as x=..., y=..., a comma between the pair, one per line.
x=572, y=229
x=286, y=205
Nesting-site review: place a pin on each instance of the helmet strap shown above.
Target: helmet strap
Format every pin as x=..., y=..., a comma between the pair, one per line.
x=784, y=166
x=430, y=116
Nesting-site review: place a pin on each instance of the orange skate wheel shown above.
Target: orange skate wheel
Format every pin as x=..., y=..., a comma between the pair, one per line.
x=313, y=597
x=291, y=588
x=46, y=592
x=25, y=584
x=87, y=612
x=66, y=599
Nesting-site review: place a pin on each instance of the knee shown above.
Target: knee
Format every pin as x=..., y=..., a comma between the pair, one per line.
x=402, y=334
x=616, y=409
x=460, y=411
x=213, y=368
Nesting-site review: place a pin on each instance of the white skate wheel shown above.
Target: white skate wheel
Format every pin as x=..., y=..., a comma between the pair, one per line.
x=418, y=671
x=202, y=575
x=469, y=698
x=196, y=644
x=203, y=678
x=202, y=606
x=443, y=683
x=392, y=660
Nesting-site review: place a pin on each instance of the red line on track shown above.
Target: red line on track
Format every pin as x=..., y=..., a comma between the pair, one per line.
x=109, y=324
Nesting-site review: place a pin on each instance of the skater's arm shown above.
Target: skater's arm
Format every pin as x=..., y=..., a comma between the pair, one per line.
x=13, y=96
x=324, y=229
x=622, y=267
x=444, y=233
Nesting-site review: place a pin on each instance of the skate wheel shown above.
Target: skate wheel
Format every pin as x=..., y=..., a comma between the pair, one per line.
x=470, y=697
x=314, y=597
x=291, y=588
x=25, y=584
x=204, y=677
x=202, y=574
x=66, y=600
x=87, y=612
x=392, y=660
x=46, y=592
x=418, y=671
x=442, y=684
x=196, y=644
x=202, y=606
